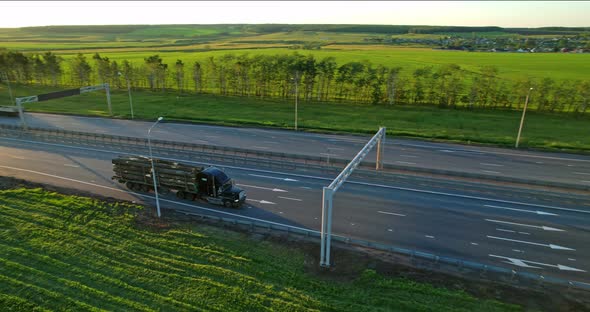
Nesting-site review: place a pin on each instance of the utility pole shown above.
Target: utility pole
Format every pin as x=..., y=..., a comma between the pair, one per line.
x=526, y=102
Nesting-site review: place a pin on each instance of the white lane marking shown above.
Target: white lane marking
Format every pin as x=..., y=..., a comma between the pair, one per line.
x=523, y=210
x=313, y=177
x=289, y=198
x=389, y=230
x=475, y=244
x=335, y=149
x=276, y=178
x=262, y=188
x=493, y=165
x=261, y=147
x=327, y=154
x=429, y=236
x=17, y=157
x=451, y=150
x=70, y=165
x=571, y=259
x=584, y=173
x=409, y=156
x=261, y=201
x=584, y=181
x=570, y=165
x=557, y=247
x=539, y=162
x=546, y=228
x=270, y=142
x=505, y=230
x=522, y=263
x=489, y=171
x=405, y=162
x=305, y=187
x=517, y=250
x=391, y=213
x=211, y=136
x=524, y=233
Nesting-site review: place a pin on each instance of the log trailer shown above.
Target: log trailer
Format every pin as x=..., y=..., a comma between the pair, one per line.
x=189, y=182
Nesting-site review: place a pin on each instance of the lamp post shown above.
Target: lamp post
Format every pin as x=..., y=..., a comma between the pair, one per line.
x=153, y=169
x=526, y=102
x=129, y=91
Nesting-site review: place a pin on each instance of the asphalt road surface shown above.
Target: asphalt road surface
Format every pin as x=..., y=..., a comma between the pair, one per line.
x=545, y=233
x=485, y=161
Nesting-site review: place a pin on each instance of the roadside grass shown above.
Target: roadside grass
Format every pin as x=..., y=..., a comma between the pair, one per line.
x=496, y=127
x=61, y=252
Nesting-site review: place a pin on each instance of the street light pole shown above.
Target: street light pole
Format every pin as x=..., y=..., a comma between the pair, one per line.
x=129, y=91
x=153, y=169
x=526, y=102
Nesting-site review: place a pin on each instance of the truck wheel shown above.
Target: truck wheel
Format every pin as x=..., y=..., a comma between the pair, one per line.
x=227, y=204
x=180, y=194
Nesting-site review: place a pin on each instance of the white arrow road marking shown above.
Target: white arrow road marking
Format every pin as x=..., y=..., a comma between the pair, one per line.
x=531, y=243
x=523, y=210
x=289, y=198
x=70, y=165
x=261, y=201
x=521, y=262
x=546, y=228
x=391, y=213
x=263, y=188
x=276, y=178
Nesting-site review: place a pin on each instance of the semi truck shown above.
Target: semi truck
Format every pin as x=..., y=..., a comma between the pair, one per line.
x=189, y=182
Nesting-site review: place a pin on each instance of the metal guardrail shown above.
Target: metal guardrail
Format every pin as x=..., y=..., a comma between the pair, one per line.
x=274, y=159
x=247, y=157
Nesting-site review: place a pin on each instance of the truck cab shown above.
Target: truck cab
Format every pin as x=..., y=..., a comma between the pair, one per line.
x=218, y=188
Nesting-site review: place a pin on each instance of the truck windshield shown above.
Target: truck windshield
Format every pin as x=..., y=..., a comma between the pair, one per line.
x=227, y=185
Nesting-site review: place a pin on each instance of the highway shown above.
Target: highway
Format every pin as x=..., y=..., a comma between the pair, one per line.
x=484, y=161
x=540, y=232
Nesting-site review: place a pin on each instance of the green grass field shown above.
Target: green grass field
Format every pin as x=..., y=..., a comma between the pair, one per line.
x=541, y=130
x=62, y=252
x=512, y=66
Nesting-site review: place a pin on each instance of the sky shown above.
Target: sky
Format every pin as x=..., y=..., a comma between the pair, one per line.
x=453, y=13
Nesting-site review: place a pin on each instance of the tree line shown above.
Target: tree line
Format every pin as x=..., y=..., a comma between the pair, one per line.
x=316, y=80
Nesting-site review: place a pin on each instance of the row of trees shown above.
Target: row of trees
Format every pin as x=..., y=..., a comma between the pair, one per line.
x=276, y=76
